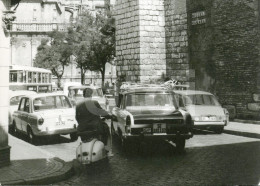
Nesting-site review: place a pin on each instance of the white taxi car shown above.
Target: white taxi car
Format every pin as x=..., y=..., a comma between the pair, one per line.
x=76, y=95
x=204, y=108
x=14, y=97
x=45, y=114
x=149, y=112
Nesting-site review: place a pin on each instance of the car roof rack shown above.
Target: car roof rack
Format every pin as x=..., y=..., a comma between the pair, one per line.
x=171, y=85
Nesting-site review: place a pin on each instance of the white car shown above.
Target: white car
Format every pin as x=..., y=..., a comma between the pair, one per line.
x=45, y=114
x=76, y=95
x=150, y=113
x=204, y=108
x=14, y=97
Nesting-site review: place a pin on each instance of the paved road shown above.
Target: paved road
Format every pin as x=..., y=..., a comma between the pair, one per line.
x=210, y=159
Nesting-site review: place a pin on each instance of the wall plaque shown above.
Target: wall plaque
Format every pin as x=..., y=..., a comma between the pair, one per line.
x=198, y=18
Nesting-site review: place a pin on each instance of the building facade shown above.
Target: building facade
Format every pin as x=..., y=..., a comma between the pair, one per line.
x=212, y=45
x=36, y=18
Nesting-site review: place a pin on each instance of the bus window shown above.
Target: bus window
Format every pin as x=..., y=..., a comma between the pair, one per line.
x=13, y=77
x=20, y=76
x=34, y=77
x=25, y=77
x=39, y=78
x=29, y=77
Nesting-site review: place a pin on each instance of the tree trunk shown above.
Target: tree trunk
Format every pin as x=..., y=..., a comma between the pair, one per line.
x=103, y=78
x=59, y=81
x=82, y=74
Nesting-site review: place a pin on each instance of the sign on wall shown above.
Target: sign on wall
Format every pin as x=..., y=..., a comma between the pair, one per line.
x=198, y=18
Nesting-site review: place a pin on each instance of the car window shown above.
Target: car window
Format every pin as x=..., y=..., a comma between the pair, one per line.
x=51, y=102
x=15, y=100
x=200, y=99
x=21, y=106
x=27, y=105
x=149, y=99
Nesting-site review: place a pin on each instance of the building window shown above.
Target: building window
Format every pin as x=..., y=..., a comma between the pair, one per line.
x=34, y=14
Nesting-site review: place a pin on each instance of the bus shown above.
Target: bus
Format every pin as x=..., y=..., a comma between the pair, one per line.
x=30, y=78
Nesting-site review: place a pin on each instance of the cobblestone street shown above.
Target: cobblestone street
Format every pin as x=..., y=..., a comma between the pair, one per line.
x=209, y=160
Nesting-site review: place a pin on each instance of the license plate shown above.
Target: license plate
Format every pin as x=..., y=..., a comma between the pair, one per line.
x=159, y=128
x=212, y=118
x=147, y=130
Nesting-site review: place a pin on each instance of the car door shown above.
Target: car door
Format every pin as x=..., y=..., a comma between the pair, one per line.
x=121, y=116
x=19, y=114
x=116, y=115
x=25, y=115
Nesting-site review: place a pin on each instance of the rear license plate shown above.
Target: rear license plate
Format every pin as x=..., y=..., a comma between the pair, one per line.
x=159, y=128
x=147, y=130
x=211, y=118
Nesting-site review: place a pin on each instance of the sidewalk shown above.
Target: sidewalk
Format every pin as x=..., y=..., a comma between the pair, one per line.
x=31, y=165
x=243, y=129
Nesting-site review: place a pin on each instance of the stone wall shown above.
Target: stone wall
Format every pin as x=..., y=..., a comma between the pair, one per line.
x=140, y=37
x=177, y=63
x=127, y=39
x=227, y=47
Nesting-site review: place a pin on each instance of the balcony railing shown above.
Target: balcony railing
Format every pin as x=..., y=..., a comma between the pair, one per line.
x=38, y=27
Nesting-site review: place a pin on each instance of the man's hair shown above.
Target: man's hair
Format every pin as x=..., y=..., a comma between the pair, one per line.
x=87, y=93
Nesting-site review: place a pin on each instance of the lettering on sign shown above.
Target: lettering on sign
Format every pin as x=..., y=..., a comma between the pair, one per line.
x=198, y=18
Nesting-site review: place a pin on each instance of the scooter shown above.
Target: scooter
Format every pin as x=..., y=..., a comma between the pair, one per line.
x=92, y=149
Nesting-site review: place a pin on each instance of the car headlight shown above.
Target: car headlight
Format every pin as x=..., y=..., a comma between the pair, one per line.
x=196, y=118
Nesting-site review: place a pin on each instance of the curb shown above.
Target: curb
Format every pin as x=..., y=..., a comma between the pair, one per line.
x=247, y=121
x=240, y=133
x=64, y=173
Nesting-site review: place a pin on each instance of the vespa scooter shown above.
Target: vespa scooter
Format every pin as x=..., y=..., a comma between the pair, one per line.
x=92, y=149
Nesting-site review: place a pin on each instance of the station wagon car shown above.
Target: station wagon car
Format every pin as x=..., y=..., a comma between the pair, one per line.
x=45, y=114
x=204, y=108
x=76, y=95
x=15, y=97
x=149, y=112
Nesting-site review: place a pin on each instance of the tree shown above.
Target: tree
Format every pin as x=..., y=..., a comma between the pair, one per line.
x=94, y=42
x=54, y=54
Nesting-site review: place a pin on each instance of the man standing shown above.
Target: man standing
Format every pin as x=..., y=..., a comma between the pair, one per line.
x=88, y=113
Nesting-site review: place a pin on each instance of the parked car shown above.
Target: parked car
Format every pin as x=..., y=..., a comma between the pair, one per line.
x=45, y=114
x=204, y=108
x=76, y=95
x=14, y=98
x=149, y=112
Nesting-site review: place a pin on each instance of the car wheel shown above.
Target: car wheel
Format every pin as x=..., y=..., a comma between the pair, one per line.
x=180, y=144
x=219, y=130
x=31, y=137
x=113, y=132
x=13, y=129
x=73, y=136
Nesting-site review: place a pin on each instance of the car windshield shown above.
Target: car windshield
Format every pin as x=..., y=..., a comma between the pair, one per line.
x=149, y=99
x=15, y=100
x=51, y=102
x=200, y=99
x=78, y=92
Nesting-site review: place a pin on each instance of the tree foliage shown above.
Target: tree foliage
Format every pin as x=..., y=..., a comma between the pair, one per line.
x=54, y=54
x=94, y=42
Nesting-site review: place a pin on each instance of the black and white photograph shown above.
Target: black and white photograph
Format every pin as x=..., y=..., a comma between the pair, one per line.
x=129, y=92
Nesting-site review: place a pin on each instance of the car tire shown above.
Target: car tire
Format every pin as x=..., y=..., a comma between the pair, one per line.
x=73, y=136
x=180, y=144
x=13, y=129
x=113, y=132
x=219, y=130
x=31, y=137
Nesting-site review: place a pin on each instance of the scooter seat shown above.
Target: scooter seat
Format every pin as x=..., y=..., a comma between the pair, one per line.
x=88, y=134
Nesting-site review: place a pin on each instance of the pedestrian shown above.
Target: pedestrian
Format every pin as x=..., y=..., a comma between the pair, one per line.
x=88, y=113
